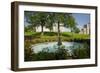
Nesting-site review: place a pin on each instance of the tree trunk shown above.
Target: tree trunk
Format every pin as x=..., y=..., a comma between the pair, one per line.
x=72, y=34
x=42, y=30
x=59, y=38
x=51, y=30
x=87, y=30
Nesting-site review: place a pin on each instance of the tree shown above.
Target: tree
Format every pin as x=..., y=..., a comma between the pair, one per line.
x=50, y=21
x=39, y=19
x=60, y=18
x=76, y=30
x=28, y=23
x=71, y=23
x=29, y=28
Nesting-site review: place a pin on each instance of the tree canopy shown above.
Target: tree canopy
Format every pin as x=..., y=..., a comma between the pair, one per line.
x=48, y=19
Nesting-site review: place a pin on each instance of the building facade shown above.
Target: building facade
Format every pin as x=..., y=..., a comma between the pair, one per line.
x=55, y=28
x=85, y=29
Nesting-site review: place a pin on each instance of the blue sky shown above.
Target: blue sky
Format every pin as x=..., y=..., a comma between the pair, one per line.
x=81, y=19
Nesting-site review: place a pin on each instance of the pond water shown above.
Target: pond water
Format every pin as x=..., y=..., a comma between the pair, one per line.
x=52, y=46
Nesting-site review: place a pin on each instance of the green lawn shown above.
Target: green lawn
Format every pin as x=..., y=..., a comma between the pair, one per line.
x=75, y=35
x=30, y=33
x=53, y=34
x=36, y=37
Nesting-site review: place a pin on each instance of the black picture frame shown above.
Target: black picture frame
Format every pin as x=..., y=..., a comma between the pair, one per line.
x=14, y=35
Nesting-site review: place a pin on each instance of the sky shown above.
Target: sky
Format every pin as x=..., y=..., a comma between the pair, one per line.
x=81, y=19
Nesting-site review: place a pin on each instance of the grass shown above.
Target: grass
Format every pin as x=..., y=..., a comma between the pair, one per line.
x=29, y=33
x=75, y=35
x=36, y=37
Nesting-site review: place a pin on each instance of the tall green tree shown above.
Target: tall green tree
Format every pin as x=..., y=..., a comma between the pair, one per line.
x=71, y=23
x=60, y=18
x=28, y=26
x=39, y=19
x=50, y=21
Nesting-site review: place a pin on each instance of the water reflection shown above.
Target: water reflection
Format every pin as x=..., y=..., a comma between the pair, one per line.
x=52, y=46
x=51, y=51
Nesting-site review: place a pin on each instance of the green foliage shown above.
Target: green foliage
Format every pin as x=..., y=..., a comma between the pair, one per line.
x=50, y=21
x=45, y=54
x=76, y=30
x=50, y=33
x=60, y=17
x=66, y=34
x=29, y=28
x=81, y=52
x=71, y=23
x=60, y=53
x=28, y=52
x=39, y=19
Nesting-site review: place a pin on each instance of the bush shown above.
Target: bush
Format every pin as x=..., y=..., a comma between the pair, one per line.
x=45, y=54
x=81, y=52
x=61, y=53
x=50, y=33
x=65, y=34
x=28, y=52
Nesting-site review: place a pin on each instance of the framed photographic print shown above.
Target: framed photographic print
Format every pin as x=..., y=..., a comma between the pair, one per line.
x=52, y=36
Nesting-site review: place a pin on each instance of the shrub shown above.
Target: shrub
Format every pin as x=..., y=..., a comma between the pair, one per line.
x=28, y=52
x=81, y=52
x=50, y=33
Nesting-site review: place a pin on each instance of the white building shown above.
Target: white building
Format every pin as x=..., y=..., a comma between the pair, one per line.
x=85, y=29
x=55, y=28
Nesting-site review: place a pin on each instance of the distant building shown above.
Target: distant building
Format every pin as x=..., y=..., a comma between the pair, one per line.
x=55, y=28
x=85, y=29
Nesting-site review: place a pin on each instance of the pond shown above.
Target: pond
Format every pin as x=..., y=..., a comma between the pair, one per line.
x=51, y=51
x=52, y=46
